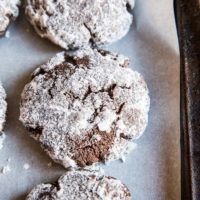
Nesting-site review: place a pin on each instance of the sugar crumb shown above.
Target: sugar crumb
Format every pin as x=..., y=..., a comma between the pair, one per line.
x=123, y=158
x=5, y=169
x=7, y=35
x=26, y=166
x=49, y=164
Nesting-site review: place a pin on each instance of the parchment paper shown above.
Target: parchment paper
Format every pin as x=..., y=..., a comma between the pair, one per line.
x=152, y=171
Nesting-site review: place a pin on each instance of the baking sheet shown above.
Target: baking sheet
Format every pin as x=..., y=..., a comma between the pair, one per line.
x=152, y=170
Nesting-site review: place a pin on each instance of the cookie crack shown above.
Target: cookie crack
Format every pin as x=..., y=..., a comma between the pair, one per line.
x=103, y=52
x=41, y=71
x=92, y=35
x=70, y=59
x=109, y=90
x=125, y=87
x=129, y=7
x=126, y=137
x=35, y=131
x=88, y=92
x=114, y=57
x=120, y=108
x=51, y=88
x=71, y=94
x=77, y=61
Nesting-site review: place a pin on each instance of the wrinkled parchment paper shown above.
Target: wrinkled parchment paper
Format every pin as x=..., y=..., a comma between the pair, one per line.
x=152, y=171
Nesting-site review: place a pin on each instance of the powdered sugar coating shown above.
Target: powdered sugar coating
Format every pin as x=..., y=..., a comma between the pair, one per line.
x=3, y=107
x=85, y=107
x=81, y=185
x=8, y=12
x=72, y=24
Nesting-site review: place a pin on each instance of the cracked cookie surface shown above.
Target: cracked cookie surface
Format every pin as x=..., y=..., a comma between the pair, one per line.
x=8, y=12
x=72, y=24
x=85, y=107
x=3, y=107
x=82, y=185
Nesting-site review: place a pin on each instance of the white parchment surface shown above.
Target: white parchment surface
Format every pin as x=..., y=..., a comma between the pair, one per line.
x=152, y=171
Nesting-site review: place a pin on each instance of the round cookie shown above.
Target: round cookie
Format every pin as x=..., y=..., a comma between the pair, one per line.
x=3, y=108
x=8, y=12
x=72, y=24
x=85, y=107
x=82, y=185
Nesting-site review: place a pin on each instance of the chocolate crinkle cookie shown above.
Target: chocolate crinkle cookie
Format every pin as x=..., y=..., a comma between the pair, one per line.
x=82, y=185
x=8, y=12
x=74, y=23
x=85, y=107
x=3, y=108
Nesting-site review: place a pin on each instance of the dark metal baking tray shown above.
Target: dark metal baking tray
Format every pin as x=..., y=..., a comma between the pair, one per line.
x=188, y=25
